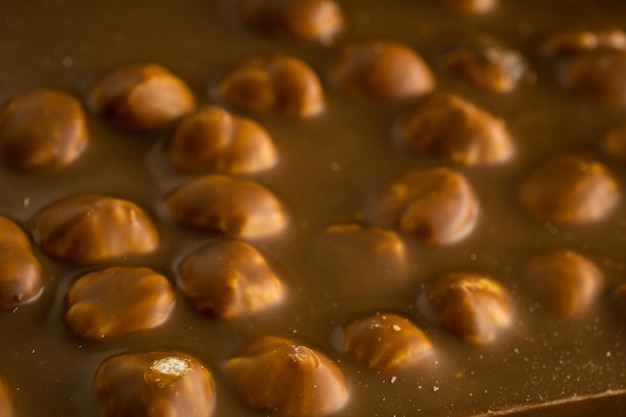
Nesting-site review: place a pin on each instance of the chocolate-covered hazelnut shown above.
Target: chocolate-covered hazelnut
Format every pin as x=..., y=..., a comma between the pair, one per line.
x=386, y=343
x=577, y=41
x=436, y=205
x=319, y=20
x=452, y=127
x=21, y=275
x=564, y=281
x=382, y=70
x=171, y=384
x=355, y=260
x=599, y=76
x=570, y=189
x=277, y=84
x=43, y=129
x=212, y=139
x=488, y=65
x=468, y=6
x=141, y=98
x=234, y=207
x=474, y=307
x=91, y=228
x=6, y=406
x=615, y=142
x=281, y=375
x=230, y=279
x=118, y=301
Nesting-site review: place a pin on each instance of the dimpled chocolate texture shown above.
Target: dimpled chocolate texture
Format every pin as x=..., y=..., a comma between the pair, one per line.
x=570, y=189
x=141, y=98
x=91, y=228
x=118, y=301
x=43, y=129
x=382, y=70
x=319, y=20
x=21, y=275
x=436, y=205
x=450, y=126
x=382, y=260
x=565, y=281
x=277, y=84
x=387, y=343
x=231, y=206
x=230, y=279
x=474, y=307
x=277, y=374
x=212, y=139
x=155, y=384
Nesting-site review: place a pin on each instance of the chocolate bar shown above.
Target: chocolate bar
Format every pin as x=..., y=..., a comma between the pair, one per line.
x=312, y=208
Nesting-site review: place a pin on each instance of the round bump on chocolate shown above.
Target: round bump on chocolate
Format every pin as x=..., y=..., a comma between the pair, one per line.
x=386, y=343
x=91, y=228
x=141, y=98
x=615, y=142
x=230, y=279
x=436, y=205
x=570, y=189
x=599, y=76
x=474, y=307
x=21, y=275
x=357, y=260
x=448, y=125
x=578, y=41
x=319, y=20
x=6, y=405
x=277, y=84
x=118, y=301
x=488, y=65
x=280, y=375
x=169, y=384
x=43, y=129
x=468, y=6
x=212, y=139
x=382, y=70
x=231, y=206
x=565, y=281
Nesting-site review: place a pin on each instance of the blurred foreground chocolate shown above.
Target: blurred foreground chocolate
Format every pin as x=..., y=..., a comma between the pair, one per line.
x=280, y=375
x=165, y=383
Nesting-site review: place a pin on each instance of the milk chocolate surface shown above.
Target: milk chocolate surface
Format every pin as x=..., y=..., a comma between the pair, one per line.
x=561, y=351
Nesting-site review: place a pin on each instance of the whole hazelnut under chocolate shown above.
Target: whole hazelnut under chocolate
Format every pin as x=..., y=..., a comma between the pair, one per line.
x=277, y=84
x=237, y=208
x=230, y=279
x=88, y=229
x=212, y=139
x=141, y=98
x=448, y=125
x=472, y=306
x=280, y=375
x=436, y=205
x=571, y=190
x=118, y=301
x=21, y=274
x=382, y=70
x=43, y=129
x=165, y=383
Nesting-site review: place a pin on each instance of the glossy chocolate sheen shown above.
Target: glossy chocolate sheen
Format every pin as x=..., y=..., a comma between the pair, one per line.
x=331, y=169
